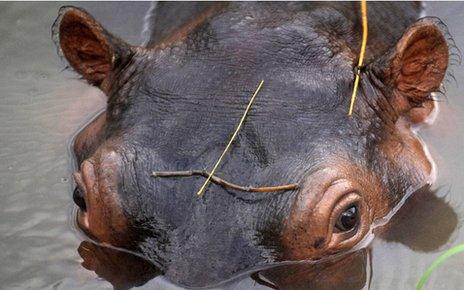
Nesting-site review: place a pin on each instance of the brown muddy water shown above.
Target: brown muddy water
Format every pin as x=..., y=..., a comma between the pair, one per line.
x=42, y=106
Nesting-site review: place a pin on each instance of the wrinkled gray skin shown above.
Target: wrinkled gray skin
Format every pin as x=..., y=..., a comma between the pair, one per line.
x=174, y=107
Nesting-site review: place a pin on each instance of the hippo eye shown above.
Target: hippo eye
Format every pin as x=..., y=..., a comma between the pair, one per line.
x=348, y=219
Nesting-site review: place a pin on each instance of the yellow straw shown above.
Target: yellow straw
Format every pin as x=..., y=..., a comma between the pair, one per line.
x=361, y=54
x=202, y=189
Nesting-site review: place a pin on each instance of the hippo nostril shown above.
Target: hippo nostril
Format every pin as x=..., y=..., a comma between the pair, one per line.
x=78, y=198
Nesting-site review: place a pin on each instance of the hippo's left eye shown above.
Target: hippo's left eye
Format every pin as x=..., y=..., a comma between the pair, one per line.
x=348, y=219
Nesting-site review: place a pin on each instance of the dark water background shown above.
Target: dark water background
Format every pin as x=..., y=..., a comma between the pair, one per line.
x=41, y=107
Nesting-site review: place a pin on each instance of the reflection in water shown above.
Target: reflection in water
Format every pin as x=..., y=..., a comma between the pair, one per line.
x=123, y=270
x=423, y=212
x=348, y=272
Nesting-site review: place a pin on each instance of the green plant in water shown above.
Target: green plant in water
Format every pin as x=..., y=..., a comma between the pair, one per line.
x=440, y=260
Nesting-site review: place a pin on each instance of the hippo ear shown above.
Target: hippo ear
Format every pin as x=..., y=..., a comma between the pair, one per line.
x=87, y=46
x=415, y=67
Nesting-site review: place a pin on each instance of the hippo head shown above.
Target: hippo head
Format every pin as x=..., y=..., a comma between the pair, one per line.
x=173, y=105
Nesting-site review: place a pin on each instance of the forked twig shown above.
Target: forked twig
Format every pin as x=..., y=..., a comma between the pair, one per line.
x=224, y=183
x=239, y=126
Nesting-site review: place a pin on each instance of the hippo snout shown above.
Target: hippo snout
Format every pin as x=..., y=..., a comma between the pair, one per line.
x=100, y=213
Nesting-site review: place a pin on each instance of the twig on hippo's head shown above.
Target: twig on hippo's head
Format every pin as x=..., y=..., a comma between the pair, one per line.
x=226, y=184
x=242, y=120
x=357, y=69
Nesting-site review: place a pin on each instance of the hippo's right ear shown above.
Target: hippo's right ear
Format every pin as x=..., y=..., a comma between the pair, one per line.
x=87, y=46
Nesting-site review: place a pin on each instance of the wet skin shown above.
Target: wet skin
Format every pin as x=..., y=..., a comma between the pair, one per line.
x=173, y=104
x=422, y=214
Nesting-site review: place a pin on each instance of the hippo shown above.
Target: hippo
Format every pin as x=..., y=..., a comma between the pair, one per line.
x=173, y=103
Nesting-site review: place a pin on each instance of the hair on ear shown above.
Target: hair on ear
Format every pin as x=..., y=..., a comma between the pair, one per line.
x=417, y=65
x=89, y=49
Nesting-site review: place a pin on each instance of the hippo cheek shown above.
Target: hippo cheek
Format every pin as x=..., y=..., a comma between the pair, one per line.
x=426, y=113
x=102, y=218
x=333, y=213
x=405, y=149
